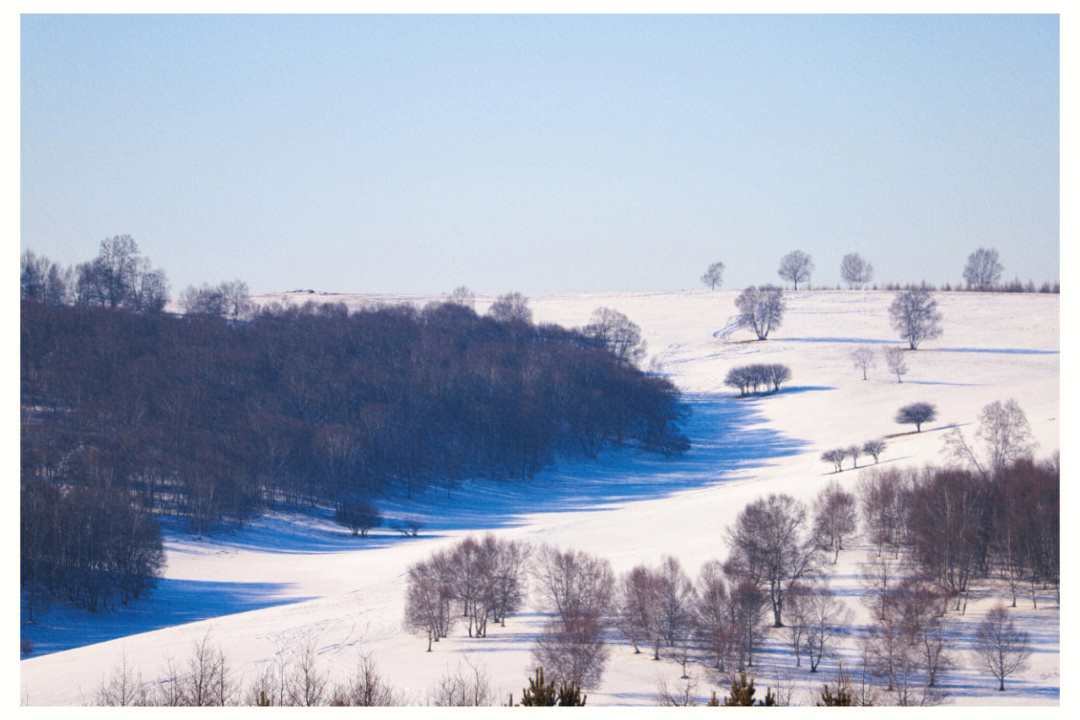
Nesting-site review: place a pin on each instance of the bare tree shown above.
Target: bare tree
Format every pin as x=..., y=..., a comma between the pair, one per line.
x=874, y=448
x=798, y=600
x=796, y=267
x=204, y=300
x=427, y=600
x=916, y=414
x=713, y=620
x=823, y=617
x=511, y=307
x=684, y=695
x=464, y=297
x=676, y=601
x=761, y=309
x=863, y=357
x=1005, y=431
x=238, y=304
x=366, y=687
x=836, y=457
x=894, y=358
x=714, y=275
x=855, y=271
x=983, y=270
x=1000, y=647
x=771, y=540
x=639, y=608
x=462, y=689
x=853, y=452
x=835, y=517
x=578, y=591
x=881, y=505
x=915, y=316
x=618, y=334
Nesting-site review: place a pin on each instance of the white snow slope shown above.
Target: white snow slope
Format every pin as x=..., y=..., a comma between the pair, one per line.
x=284, y=578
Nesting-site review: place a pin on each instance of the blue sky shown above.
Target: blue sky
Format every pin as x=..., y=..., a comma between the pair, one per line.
x=541, y=153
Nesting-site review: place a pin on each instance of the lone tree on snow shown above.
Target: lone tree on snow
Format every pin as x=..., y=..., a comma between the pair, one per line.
x=874, y=448
x=796, y=266
x=863, y=357
x=1002, y=648
x=916, y=414
x=983, y=270
x=894, y=358
x=915, y=316
x=761, y=309
x=714, y=275
x=359, y=516
x=855, y=271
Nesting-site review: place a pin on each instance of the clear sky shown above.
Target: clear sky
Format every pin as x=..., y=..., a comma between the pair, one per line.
x=541, y=153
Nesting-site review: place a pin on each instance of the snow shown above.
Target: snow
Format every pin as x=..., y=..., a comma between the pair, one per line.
x=287, y=577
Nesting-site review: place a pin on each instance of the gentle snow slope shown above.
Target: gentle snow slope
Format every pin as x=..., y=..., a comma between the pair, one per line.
x=286, y=578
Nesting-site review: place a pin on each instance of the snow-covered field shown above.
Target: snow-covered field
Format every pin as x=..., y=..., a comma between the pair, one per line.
x=286, y=578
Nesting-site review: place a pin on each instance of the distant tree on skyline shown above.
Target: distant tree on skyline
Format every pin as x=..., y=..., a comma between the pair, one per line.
x=855, y=271
x=796, y=267
x=714, y=275
x=983, y=270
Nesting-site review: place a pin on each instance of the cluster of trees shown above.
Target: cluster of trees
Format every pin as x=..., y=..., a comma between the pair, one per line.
x=837, y=456
x=982, y=272
x=228, y=299
x=86, y=544
x=119, y=277
x=214, y=419
x=749, y=377
x=476, y=580
x=957, y=524
x=864, y=359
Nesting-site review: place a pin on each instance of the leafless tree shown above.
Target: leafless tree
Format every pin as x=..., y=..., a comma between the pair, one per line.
x=574, y=651
x=639, y=608
x=714, y=275
x=771, y=540
x=853, y=452
x=1000, y=647
x=713, y=619
x=618, y=334
x=894, y=359
x=983, y=270
x=748, y=604
x=863, y=357
x=307, y=684
x=822, y=616
x=238, y=304
x=836, y=457
x=505, y=586
x=462, y=689
x=1005, y=431
x=683, y=695
x=916, y=414
x=511, y=307
x=882, y=507
x=464, y=297
x=796, y=267
x=204, y=300
x=427, y=599
x=798, y=600
x=761, y=309
x=874, y=448
x=676, y=601
x=578, y=591
x=915, y=316
x=365, y=688
x=123, y=689
x=835, y=517
x=855, y=271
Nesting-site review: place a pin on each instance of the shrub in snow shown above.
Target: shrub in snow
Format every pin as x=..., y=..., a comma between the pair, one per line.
x=916, y=414
x=358, y=516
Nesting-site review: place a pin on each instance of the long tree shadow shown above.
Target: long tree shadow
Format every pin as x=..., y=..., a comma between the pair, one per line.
x=172, y=602
x=725, y=435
